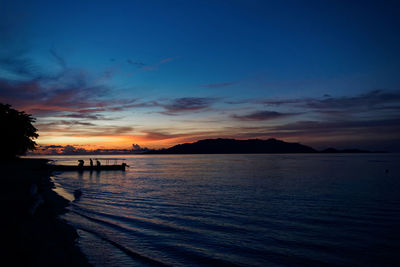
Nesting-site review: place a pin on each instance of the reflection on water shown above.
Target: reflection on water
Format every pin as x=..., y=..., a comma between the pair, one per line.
x=251, y=210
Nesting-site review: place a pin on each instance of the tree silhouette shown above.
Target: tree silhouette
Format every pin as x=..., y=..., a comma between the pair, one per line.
x=17, y=132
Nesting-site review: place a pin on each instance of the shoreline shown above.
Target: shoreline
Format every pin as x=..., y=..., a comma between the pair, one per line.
x=32, y=232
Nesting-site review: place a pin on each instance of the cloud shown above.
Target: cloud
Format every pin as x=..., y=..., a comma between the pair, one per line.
x=16, y=65
x=165, y=60
x=376, y=99
x=185, y=104
x=342, y=125
x=138, y=64
x=343, y=115
x=69, y=94
x=278, y=102
x=79, y=150
x=121, y=130
x=58, y=58
x=164, y=136
x=15, y=43
x=83, y=116
x=145, y=104
x=372, y=134
x=371, y=100
x=147, y=67
x=218, y=85
x=263, y=115
x=84, y=130
x=239, y=102
x=156, y=65
x=136, y=147
x=68, y=149
x=157, y=135
x=52, y=146
x=64, y=122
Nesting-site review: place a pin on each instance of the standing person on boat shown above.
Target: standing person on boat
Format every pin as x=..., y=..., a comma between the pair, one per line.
x=91, y=163
x=124, y=165
x=98, y=163
x=81, y=162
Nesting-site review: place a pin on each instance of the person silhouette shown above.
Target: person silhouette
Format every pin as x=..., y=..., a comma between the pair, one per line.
x=124, y=165
x=98, y=163
x=81, y=162
x=91, y=163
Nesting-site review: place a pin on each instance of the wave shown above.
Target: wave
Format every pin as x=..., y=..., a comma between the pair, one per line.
x=177, y=249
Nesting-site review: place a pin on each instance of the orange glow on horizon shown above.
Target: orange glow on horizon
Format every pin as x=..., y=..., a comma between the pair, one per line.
x=112, y=142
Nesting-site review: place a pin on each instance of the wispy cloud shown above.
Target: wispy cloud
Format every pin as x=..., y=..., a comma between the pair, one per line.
x=156, y=65
x=16, y=65
x=66, y=123
x=185, y=104
x=371, y=100
x=60, y=60
x=348, y=125
x=157, y=135
x=138, y=64
x=147, y=67
x=278, y=102
x=218, y=85
x=83, y=129
x=84, y=116
x=70, y=91
x=376, y=99
x=263, y=115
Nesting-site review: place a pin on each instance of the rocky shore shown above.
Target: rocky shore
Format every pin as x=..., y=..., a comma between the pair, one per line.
x=32, y=234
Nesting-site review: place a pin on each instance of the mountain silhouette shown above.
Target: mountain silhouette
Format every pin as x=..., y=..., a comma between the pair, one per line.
x=233, y=146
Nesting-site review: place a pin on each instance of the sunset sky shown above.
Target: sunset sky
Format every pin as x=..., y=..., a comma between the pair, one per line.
x=109, y=74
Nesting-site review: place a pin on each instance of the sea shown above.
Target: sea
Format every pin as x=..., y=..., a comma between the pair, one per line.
x=237, y=210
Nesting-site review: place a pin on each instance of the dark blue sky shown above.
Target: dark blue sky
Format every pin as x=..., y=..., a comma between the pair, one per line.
x=112, y=73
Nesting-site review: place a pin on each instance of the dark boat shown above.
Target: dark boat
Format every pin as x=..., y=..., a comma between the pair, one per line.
x=121, y=167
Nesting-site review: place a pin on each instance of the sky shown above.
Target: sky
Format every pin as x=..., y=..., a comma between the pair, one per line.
x=109, y=74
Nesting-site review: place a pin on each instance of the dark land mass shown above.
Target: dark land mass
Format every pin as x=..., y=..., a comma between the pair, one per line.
x=232, y=146
x=354, y=150
x=32, y=234
x=251, y=146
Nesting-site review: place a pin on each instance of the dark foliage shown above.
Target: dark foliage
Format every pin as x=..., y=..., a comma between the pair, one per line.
x=17, y=132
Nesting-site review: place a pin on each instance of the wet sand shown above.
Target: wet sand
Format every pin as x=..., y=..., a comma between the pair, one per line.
x=31, y=232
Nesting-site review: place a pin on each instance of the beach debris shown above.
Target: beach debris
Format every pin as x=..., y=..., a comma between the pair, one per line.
x=37, y=199
x=77, y=194
x=33, y=190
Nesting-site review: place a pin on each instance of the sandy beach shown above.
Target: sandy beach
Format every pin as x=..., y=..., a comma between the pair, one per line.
x=32, y=234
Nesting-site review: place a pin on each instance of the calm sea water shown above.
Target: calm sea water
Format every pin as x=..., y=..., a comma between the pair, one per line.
x=246, y=210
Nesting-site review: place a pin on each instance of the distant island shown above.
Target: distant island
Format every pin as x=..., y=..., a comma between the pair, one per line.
x=250, y=146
